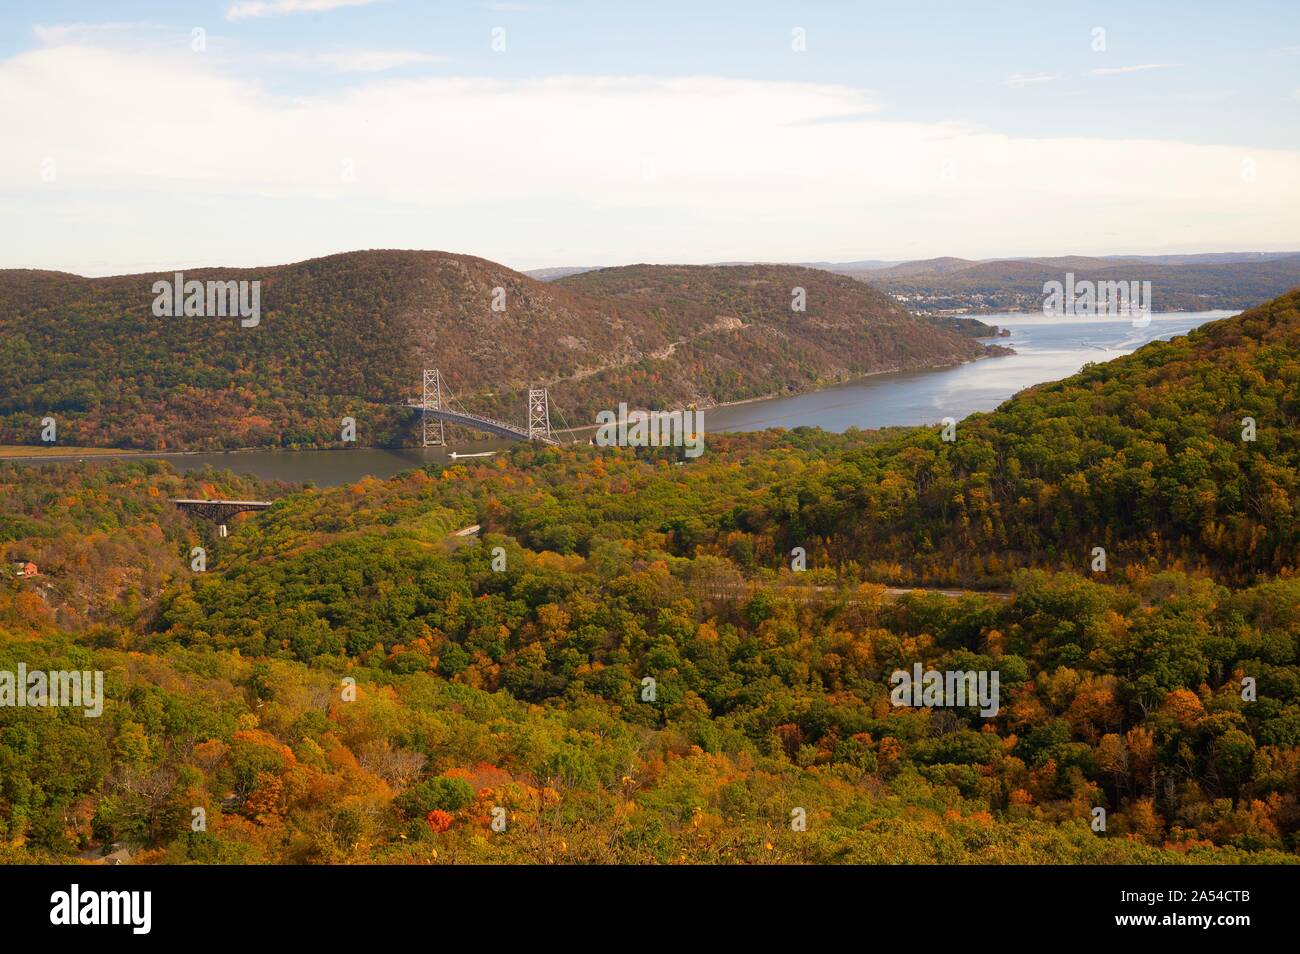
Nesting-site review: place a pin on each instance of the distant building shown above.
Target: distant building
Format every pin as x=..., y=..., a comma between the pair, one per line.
x=26, y=569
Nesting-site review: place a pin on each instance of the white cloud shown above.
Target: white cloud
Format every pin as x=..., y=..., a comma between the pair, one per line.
x=1114, y=70
x=179, y=160
x=352, y=61
x=1030, y=79
x=274, y=8
x=59, y=33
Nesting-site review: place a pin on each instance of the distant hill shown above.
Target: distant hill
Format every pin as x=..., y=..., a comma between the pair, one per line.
x=563, y=271
x=1178, y=283
x=1204, y=258
x=348, y=335
x=928, y=266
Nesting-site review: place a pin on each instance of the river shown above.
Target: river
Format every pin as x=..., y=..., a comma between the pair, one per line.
x=1047, y=349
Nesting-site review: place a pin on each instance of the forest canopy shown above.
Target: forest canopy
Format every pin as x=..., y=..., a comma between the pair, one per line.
x=348, y=680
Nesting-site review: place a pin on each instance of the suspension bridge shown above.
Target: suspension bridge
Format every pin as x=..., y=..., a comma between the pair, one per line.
x=439, y=407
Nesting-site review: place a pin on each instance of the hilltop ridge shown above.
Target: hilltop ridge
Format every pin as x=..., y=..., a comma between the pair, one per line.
x=348, y=335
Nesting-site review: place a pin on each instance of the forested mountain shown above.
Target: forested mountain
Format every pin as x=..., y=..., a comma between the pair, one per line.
x=348, y=335
x=1186, y=452
x=523, y=685
x=840, y=330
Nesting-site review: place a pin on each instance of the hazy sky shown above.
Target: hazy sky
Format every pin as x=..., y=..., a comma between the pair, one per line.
x=151, y=135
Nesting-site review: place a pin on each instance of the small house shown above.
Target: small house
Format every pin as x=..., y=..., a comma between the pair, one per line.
x=26, y=569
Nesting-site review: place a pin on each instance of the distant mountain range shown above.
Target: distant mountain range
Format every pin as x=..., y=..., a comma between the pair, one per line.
x=348, y=336
x=953, y=264
x=948, y=286
x=1178, y=283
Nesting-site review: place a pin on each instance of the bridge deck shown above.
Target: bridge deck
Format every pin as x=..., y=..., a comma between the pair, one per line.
x=219, y=511
x=478, y=422
x=250, y=504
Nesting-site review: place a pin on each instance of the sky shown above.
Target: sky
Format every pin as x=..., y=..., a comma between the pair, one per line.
x=143, y=136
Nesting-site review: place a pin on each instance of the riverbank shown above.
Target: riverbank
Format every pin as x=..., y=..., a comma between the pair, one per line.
x=1045, y=350
x=57, y=452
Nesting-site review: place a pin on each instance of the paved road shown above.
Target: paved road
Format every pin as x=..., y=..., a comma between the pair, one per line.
x=744, y=589
x=850, y=595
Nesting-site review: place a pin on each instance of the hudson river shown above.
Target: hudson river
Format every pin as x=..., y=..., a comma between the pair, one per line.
x=1047, y=349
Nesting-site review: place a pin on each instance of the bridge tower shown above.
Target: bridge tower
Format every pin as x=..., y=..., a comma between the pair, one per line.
x=434, y=435
x=539, y=414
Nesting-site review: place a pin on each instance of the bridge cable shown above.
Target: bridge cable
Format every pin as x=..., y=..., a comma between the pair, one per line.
x=455, y=400
x=567, y=428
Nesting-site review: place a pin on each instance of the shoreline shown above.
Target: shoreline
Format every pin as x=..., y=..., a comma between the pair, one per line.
x=32, y=452
x=15, y=451
x=7, y=451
